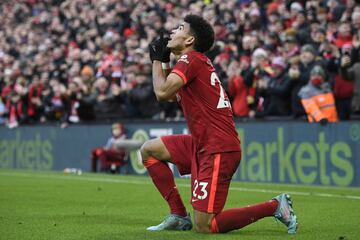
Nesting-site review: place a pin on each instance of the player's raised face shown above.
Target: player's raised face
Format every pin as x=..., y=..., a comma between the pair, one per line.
x=181, y=38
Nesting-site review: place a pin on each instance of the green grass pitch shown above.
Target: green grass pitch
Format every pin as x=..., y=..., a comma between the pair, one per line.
x=52, y=205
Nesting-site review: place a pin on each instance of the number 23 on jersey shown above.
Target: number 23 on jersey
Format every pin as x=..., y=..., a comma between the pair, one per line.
x=199, y=190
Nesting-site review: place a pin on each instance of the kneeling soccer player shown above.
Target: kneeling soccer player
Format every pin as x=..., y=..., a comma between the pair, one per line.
x=211, y=153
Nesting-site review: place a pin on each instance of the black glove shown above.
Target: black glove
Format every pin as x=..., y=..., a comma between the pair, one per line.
x=158, y=50
x=167, y=51
x=323, y=121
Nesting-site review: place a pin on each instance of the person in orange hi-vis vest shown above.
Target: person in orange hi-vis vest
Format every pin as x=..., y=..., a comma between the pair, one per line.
x=318, y=99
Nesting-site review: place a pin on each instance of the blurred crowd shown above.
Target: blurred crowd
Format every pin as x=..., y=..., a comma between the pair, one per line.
x=80, y=60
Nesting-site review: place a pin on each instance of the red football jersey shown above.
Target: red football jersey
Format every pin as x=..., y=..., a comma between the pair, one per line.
x=205, y=105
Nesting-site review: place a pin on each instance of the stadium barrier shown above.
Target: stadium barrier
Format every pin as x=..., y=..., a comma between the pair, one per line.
x=277, y=152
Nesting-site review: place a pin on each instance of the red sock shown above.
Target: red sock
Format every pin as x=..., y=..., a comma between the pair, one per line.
x=164, y=182
x=237, y=218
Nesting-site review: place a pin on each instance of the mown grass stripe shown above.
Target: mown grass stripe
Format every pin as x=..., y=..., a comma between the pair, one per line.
x=147, y=181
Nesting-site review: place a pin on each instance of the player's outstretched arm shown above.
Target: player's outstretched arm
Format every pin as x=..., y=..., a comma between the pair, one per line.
x=165, y=88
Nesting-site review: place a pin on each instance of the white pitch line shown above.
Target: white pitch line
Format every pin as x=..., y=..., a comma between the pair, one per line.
x=241, y=189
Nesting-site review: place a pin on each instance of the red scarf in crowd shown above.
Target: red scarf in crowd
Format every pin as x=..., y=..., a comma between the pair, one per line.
x=34, y=91
x=15, y=111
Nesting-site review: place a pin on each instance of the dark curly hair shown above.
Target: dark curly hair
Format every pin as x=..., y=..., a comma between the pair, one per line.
x=202, y=31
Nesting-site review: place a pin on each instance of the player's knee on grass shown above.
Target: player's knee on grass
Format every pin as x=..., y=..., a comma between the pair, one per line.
x=202, y=227
x=202, y=222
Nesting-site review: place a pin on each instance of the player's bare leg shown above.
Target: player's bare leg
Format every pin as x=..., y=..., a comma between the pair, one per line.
x=155, y=157
x=155, y=148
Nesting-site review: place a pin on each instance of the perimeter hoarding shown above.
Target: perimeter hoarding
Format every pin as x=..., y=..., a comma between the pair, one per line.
x=280, y=152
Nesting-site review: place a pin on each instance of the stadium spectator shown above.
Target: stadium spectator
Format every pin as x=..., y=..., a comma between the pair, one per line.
x=343, y=35
x=2, y=112
x=256, y=80
x=104, y=98
x=142, y=98
x=237, y=90
x=299, y=76
x=301, y=27
x=16, y=108
x=350, y=71
x=35, y=105
x=317, y=98
x=278, y=90
x=291, y=47
x=318, y=37
x=343, y=90
x=111, y=157
x=56, y=105
x=355, y=19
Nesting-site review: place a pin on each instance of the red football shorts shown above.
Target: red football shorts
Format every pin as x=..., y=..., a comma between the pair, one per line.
x=210, y=173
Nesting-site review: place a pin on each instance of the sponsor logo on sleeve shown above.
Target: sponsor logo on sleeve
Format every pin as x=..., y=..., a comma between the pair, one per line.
x=184, y=59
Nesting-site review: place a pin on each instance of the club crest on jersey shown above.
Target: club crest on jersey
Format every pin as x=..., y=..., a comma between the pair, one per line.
x=184, y=59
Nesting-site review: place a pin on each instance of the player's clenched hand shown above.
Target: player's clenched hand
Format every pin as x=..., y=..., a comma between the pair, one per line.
x=155, y=50
x=158, y=50
x=166, y=52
